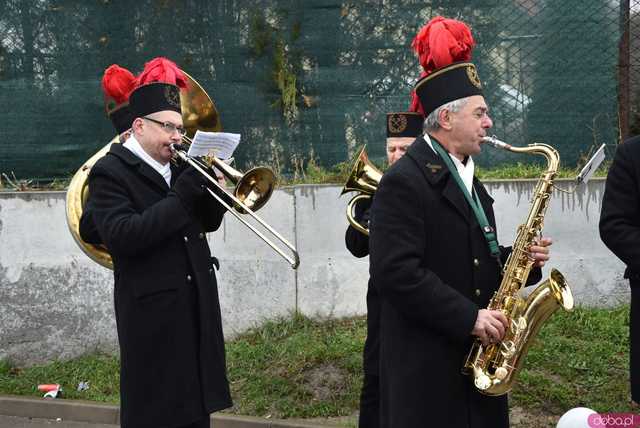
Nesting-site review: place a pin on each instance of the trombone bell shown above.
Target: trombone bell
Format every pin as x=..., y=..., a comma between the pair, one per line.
x=255, y=188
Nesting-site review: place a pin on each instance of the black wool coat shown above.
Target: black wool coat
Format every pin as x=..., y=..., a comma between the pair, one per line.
x=358, y=244
x=166, y=298
x=620, y=231
x=433, y=270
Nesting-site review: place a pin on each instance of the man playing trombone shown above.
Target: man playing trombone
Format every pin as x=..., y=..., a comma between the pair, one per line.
x=153, y=217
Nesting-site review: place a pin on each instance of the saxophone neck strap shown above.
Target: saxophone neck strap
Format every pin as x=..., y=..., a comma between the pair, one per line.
x=488, y=231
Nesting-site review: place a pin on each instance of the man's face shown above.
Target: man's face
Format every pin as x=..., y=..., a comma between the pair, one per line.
x=468, y=126
x=154, y=138
x=397, y=147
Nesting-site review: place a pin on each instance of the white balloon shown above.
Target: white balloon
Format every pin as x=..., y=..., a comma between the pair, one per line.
x=576, y=418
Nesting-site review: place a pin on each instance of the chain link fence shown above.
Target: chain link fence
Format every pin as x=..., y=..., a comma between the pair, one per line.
x=313, y=79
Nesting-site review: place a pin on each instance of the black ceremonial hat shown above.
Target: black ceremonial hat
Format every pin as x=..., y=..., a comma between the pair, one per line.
x=122, y=117
x=450, y=83
x=154, y=97
x=404, y=124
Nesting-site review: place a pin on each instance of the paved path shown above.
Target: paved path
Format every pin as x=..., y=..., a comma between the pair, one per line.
x=30, y=412
x=16, y=422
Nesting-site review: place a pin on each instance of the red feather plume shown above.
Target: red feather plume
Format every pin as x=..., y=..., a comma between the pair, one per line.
x=441, y=42
x=117, y=83
x=162, y=70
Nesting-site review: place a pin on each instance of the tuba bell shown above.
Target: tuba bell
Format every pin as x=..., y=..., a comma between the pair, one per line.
x=364, y=179
x=198, y=112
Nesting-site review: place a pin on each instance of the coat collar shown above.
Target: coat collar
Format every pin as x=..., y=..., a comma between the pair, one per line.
x=435, y=171
x=133, y=161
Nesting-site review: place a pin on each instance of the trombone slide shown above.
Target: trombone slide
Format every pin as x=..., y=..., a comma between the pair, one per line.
x=293, y=259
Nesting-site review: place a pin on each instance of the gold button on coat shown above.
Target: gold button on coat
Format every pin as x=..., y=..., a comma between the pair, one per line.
x=188, y=278
x=476, y=262
x=478, y=292
x=186, y=239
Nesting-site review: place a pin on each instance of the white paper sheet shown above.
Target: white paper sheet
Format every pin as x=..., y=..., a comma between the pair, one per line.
x=222, y=144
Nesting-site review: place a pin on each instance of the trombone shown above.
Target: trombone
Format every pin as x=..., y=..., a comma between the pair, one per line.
x=253, y=190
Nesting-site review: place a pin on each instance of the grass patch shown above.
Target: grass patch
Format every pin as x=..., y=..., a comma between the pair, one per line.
x=101, y=371
x=309, y=171
x=580, y=359
x=300, y=368
x=530, y=170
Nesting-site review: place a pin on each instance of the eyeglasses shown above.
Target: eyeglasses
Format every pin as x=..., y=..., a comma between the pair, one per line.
x=169, y=127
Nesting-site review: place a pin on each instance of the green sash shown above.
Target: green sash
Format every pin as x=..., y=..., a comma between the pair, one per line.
x=476, y=206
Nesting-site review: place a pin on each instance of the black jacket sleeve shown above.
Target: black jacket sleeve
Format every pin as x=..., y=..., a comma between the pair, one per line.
x=210, y=210
x=620, y=216
x=87, y=228
x=358, y=243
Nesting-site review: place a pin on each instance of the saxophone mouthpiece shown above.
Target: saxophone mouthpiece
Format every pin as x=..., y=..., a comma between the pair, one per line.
x=493, y=141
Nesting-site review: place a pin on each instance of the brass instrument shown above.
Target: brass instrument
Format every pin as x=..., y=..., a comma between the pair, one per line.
x=364, y=178
x=252, y=190
x=494, y=367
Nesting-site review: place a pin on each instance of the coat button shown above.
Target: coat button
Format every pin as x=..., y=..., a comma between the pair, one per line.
x=201, y=235
x=478, y=292
x=188, y=278
x=476, y=262
x=210, y=271
x=186, y=239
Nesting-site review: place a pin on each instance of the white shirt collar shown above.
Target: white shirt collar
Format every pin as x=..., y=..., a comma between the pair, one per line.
x=465, y=171
x=164, y=170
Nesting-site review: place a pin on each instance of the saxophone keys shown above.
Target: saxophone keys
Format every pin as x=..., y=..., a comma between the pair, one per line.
x=482, y=381
x=501, y=373
x=519, y=324
x=508, y=348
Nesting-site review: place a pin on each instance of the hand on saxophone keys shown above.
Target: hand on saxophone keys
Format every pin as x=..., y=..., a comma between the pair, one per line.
x=539, y=251
x=490, y=326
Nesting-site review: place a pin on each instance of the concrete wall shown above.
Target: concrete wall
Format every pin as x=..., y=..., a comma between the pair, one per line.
x=56, y=303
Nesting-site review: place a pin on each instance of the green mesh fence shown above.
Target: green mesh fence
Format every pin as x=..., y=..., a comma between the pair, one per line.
x=314, y=78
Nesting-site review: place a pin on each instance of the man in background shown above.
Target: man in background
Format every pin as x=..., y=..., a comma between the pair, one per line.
x=402, y=130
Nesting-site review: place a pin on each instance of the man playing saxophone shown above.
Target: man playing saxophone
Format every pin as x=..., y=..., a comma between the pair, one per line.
x=431, y=262
x=402, y=130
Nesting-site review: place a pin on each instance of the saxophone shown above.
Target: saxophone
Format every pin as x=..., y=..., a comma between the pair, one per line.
x=494, y=367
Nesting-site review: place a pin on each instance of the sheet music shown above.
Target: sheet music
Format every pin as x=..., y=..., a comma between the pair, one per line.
x=591, y=166
x=222, y=144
